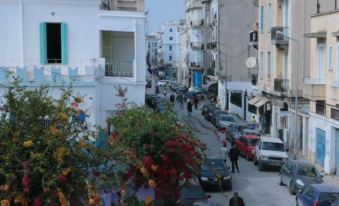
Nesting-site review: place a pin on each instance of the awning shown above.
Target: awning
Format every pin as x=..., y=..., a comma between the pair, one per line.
x=263, y=101
x=319, y=34
x=254, y=100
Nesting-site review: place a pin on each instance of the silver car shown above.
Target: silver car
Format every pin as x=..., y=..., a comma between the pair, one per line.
x=224, y=121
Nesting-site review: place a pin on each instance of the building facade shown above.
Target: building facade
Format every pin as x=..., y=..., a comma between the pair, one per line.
x=123, y=5
x=152, y=47
x=231, y=32
x=322, y=87
x=283, y=56
x=74, y=43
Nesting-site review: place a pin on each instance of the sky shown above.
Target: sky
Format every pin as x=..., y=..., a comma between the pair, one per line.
x=160, y=11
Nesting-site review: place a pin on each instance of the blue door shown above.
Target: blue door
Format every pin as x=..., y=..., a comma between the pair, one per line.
x=337, y=151
x=320, y=147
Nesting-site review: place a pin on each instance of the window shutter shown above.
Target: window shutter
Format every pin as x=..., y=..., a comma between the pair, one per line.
x=64, y=44
x=43, y=43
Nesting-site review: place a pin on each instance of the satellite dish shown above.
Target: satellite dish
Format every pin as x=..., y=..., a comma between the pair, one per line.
x=251, y=62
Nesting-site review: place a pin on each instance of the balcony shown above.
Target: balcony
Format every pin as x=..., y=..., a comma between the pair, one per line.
x=196, y=64
x=197, y=45
x=254, y=79
x=119, y=69
x=212, y=45
x=281, y=85
x=277, y=37
x=314, y=89
x=254, y=39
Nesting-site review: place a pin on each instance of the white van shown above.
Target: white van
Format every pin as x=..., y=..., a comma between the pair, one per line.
x=270, y=151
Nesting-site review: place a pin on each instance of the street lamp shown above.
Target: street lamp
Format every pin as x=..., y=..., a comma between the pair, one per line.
x=296, y=94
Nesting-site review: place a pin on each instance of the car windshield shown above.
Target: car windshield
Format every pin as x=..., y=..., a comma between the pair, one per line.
x=213, y=165
x=275, y=146
x=307, y=171
x=251, y=133
x=252, y=142
x=227, y=118
x=327, y=197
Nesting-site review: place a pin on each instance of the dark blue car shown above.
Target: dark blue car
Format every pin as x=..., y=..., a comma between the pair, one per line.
x=317, y=195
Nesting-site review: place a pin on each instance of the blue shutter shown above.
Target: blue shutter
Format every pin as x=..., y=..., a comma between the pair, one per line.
x=43, y=43
x=64, y=44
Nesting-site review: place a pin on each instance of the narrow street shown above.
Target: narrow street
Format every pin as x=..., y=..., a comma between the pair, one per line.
x=257, y=188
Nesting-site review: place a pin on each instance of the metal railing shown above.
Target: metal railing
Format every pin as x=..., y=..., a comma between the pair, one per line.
x=119, y=69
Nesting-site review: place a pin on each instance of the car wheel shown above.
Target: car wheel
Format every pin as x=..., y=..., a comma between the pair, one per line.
x=292, y=189
x=255, y=161
x=261, y=166
x=281, y=182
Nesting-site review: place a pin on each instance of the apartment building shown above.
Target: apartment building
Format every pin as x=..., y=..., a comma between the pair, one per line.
x=322, y=87
x=152, y=44
x=230, y=39
x=283, y=56
x=74, y=43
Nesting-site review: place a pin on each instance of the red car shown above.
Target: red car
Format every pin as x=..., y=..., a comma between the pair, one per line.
x=246, y=145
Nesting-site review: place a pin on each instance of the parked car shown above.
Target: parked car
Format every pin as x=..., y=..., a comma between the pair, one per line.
x=210, y=111
x=318, y=195
x=162, y=83
x=233, y=131
x=205, y=107
x=224, y=121
x=270, y=151
x=250, y=132
x=209, y=171
x=193, y=195
x=246, y=145
x=297, y=174
x=216, y=116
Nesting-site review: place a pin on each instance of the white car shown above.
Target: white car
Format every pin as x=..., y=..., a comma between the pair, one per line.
x=269, y=151
x=162, y=83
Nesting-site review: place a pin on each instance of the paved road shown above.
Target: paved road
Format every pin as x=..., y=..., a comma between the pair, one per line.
x=257, y=188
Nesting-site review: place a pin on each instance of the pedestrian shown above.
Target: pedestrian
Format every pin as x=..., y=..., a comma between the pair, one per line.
x=224, y=151
x=236, y=200
x=172, y=98
x=196, y=101
x=234, y=156
x=164, y=92
x=180, y=98
x=254, y=120
x=157, y=89
x=189, y=107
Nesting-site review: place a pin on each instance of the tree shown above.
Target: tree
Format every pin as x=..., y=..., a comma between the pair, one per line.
x=44, y=152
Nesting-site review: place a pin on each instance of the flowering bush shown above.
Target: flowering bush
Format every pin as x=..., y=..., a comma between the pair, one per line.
x=159, y=152
x=42, y=163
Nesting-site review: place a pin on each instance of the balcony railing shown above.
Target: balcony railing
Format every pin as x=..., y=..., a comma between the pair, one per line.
x=281, y=85
x=212, y=45
x=278, y=38
x=254, y=39
x=120, y=69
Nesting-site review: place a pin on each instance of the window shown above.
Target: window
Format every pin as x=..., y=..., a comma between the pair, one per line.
x=320, y=107
x=269, y=64
x=170, y=30
x=236, y=99
x=335, y=114
x=330, y=58
x=269, y=17
x=53, y=43
x=170, y=48
x=170, y=58
x=262, y=19
x=171, y=38
x=320, y=59
x=252, y=109
x=261, y=65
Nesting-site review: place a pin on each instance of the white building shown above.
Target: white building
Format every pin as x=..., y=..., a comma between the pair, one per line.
x=152, y=44
x=74, y=42
x=170, y=41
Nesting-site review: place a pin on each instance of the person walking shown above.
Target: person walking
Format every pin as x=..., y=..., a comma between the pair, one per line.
x=236, y=200
x=180, y=99
x=253, y=121
x=164, y=92
x=189, y=107
x=224, y=152
x=196, y=102
x=234, y=156
x=172, y=98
